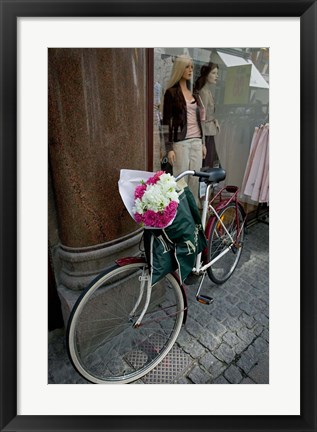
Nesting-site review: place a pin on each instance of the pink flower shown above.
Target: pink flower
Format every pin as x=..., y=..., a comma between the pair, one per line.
x=153, y=180
x=170, y=211
x=150, y=214
x=138, y=218
x=139, y=191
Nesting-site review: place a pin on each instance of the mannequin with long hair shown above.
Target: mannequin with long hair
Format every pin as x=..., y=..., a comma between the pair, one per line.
x=208, y=77
x=183, y=133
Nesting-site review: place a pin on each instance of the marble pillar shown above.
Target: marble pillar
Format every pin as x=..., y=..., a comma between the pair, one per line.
x=96, y=125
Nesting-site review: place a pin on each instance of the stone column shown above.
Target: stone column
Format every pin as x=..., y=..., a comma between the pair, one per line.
x=97, y=125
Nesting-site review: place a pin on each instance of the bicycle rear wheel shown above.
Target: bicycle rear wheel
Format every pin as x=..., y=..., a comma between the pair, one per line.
x=103, y=344
x=219, y=240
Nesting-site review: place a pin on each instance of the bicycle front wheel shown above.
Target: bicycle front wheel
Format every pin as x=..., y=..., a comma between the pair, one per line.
x=103, y=344
x=219, y=241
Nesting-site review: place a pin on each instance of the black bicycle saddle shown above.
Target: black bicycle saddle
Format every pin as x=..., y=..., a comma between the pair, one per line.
x=211, y=175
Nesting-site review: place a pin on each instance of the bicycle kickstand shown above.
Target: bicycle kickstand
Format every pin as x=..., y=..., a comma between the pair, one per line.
x=203, y=298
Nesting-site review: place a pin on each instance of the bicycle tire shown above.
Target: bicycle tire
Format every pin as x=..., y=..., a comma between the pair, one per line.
x=218, y=240
x=102, y=343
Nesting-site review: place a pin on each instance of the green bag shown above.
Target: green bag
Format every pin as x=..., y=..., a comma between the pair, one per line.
x=176, y=247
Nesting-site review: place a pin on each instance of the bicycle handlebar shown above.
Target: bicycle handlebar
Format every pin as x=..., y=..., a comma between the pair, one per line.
x=213, y=175
x=184, y=173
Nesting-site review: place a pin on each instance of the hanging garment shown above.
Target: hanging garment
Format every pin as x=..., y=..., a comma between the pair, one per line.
x=256, y=178
x=254, y=143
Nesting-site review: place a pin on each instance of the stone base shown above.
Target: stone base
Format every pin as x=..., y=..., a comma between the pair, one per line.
x=77, y=268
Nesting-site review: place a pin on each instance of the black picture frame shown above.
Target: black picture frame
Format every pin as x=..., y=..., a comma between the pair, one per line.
x=10, y=11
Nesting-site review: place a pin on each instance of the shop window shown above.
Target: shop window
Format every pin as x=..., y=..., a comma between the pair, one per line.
x=241, y=101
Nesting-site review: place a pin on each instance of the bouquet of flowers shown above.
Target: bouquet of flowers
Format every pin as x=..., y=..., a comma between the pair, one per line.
x=156, y=201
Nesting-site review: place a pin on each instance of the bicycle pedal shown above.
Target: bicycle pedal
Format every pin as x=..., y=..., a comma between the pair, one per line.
x=204, y=299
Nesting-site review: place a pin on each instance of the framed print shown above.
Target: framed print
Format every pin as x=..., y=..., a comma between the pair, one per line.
x=31, y=33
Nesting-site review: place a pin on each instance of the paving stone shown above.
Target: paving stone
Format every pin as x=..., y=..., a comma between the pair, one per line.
x=234, y=312
x=243, y=295
x=194, y=309
x=220, y=380
x=195, y=349
x=266, y=335
x=247, y=381
x=225, y=353
x=194, y=328
x=198, y=376
x=209, y=341
x=220, y=313
x=240, y=347
x=245, y=307
x=258, y=329
x=235, y=288
x=260, y=345
x=246, y=362
x=63, y=373
x=184, y=338
x=247, y=320
x=233, y=374
x=203, y=318
x=246, y=335
x=233, y=324
x=231, y=339
x=232, y=299
x=260, y=373
x=259, y=304
x=250, y=278
x=183, y=380
x=215, y=327
x=261, y=285
x=252, y=353
x=261, y=319
x=255, y=293
x=212, y=364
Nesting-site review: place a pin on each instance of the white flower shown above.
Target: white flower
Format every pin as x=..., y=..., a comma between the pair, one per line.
x=160, y=191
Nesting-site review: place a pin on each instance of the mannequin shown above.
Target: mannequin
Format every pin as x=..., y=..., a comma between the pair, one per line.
x=208, y=76
x=182, y=127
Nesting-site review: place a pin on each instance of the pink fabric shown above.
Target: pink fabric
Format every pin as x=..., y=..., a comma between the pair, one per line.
x=256, y=178
x=254, y=143
x=193, y=130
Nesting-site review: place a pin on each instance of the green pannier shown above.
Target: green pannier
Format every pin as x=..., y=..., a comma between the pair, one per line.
x=176, y=247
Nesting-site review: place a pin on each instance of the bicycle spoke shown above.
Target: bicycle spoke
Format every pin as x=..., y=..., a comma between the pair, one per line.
x=104, y=345
x=219, y=240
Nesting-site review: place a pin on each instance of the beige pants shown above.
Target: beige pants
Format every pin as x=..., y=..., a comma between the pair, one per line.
x=188, y=157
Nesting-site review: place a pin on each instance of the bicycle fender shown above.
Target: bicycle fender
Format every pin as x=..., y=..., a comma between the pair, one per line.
x=244, y=215
x=175, y=275
x=130, y=260
x=139, y=260
x=211, y=221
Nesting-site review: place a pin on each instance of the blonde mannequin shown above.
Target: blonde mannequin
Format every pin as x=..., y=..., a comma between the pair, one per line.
x=182, y=123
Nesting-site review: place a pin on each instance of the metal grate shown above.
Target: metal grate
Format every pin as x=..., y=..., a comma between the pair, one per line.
x=173, y=365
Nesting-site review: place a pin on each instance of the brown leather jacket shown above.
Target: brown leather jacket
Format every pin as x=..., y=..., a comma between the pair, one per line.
x=175, y=116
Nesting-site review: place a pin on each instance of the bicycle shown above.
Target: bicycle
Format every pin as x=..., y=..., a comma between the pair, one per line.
x=119, y=328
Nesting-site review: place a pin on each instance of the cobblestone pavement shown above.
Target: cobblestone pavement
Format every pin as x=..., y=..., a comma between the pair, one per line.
x=226, y=342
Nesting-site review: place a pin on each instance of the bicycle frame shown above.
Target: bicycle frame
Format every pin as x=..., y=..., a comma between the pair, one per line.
x=199, y=269
x=208, y=206
x=214, y=209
